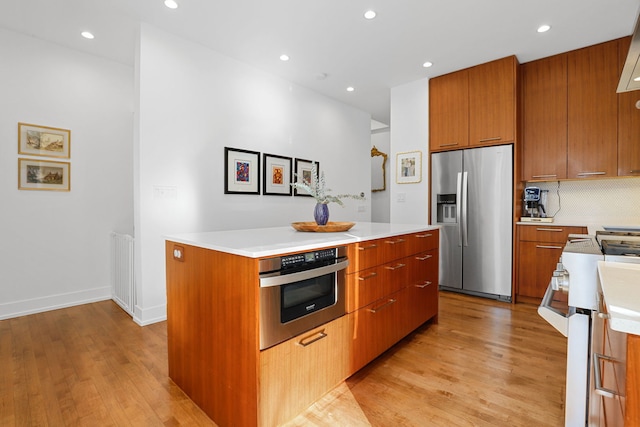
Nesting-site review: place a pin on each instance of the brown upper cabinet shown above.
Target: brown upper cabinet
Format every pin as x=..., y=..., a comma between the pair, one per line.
x=474, y=106
x=574, y=124
x=593, y=75
x=628, y=124
x=544, y=107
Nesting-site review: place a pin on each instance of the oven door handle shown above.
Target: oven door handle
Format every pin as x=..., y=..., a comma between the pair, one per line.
x=555, y=317
x=284, y=279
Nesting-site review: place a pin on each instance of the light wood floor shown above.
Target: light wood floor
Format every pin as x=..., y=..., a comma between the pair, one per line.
x=485, y=363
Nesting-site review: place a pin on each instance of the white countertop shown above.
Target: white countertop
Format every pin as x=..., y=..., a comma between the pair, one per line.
x=263, y=242
x=621, y=288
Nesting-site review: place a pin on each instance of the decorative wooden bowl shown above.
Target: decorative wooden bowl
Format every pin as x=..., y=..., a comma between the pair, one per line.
x=331, y=227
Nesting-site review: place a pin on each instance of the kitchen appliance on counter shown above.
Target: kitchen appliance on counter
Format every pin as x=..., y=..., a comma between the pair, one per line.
x=533, y=205
x=472, y=201
x=579, y=317
x=299, y=292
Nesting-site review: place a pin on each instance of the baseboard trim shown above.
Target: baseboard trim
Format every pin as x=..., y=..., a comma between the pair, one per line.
x=53, y=302
x=147, y=316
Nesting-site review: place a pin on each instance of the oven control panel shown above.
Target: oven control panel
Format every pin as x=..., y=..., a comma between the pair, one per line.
x=307, y=257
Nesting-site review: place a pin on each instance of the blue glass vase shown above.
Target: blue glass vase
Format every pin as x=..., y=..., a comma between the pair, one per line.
x=321, y=213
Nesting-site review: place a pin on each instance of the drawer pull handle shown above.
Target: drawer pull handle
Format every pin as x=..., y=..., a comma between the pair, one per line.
x=368, y=276
x=393, y=242
x=424, y=285
x=548, y=247
x=553, y=175
x=319, y=335
x=553, y=230
x=364, y=248
x=634, y=171
x=495, y=138
x=598, y=377
x=449, y=145
x=387, y=304
x=422, y=236
x=583, y=174
x=395, y=267
x=424, y=258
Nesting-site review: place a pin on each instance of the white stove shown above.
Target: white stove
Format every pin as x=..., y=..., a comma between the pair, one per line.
x=577, y=275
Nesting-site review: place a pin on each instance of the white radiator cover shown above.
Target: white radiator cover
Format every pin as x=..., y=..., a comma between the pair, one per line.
x=122, y=271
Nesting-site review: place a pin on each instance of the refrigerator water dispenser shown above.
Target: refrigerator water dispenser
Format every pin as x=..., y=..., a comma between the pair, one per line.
x=446, y=208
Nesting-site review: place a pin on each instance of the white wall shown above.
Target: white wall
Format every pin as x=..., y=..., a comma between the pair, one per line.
x=410, y=132
x=192, y=103
x=380, y=200
x=55, y=245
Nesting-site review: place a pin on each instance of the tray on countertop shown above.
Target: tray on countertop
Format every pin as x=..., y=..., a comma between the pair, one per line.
x=330, y=227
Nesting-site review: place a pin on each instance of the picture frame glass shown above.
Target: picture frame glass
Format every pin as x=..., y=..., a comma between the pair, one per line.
x=45, y=141
x=303, y=174
x=43, y=175
x=409, y=167
x=242, y=171
x=276, y=175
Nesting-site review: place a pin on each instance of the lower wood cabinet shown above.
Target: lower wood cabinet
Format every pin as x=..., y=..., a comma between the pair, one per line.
x=298, y=372
x=539, y=249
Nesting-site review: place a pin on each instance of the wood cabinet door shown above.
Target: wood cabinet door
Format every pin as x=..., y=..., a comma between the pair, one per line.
x=492, y=102
x=536, y=263
x=632, y=410
x=544, y=118
x=298, y=372
x=628, y=124
x=593, y=111
x=449, y=111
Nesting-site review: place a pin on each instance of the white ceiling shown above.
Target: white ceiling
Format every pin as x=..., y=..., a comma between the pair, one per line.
x=331, y=37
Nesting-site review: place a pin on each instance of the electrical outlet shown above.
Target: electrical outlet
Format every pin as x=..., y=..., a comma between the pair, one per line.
x=402, y=197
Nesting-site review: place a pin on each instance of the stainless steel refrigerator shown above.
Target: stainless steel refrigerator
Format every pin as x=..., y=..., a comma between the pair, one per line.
x=472, y=199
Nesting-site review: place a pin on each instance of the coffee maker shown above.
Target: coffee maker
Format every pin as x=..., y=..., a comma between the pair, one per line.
x=532, y=205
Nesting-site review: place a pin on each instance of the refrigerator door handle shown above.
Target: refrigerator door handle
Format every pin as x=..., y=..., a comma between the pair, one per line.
x=463, y=219
x=459, y=206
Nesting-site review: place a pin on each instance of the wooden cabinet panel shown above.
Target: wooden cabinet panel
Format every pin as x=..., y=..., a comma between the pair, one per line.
x=363, y=255
x=296, y=373
x=536, y=262
x=628, y=124
x=422, y=242
x=632, y=412
x=449, y=111
x=593, y=111
x=539, y=249
x=492, y=102
x=365, y=287
x=612, y=376
x=544, y=113
x=550, y=233
x=395, y=247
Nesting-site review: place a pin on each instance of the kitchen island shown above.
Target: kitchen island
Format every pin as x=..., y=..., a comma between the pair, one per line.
x=213, y=312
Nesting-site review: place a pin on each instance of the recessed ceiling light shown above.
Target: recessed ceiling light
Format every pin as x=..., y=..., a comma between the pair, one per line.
x=171, y=4
x=427, y=64
x=369, y=14
x=350, y=89
x=87, y=35
x=544, y=28
x=637, y=79
x=284, y=57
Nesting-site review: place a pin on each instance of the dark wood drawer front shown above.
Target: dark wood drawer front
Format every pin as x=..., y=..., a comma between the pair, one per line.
x=366, y=287
x=543, y=233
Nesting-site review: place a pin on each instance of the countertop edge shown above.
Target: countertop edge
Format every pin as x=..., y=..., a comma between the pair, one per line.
x=620, y=322
x=287, y=240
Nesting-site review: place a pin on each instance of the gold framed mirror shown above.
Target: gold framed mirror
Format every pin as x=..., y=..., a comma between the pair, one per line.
x=378, y=170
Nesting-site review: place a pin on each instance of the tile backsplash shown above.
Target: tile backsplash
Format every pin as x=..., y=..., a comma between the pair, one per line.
x=603, y=201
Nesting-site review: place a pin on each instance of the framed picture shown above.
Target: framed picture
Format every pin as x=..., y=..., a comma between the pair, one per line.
x=241, y=171
x=43, y=175
x=409, y=167
x=34, y=140
x=303, y=174
x=276, y=178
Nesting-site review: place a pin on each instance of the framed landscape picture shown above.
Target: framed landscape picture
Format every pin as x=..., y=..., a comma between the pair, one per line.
x=43, y=175
x=241, y=171
x=409, y=167
x=44, y=141
x=303, y=174
x=276, y=178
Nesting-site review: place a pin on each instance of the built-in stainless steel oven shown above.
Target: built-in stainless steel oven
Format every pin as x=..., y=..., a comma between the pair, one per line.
x=299, y=292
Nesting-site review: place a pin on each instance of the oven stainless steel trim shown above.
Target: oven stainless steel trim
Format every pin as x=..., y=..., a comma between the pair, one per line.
x=277, y=279
x=556, y=318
